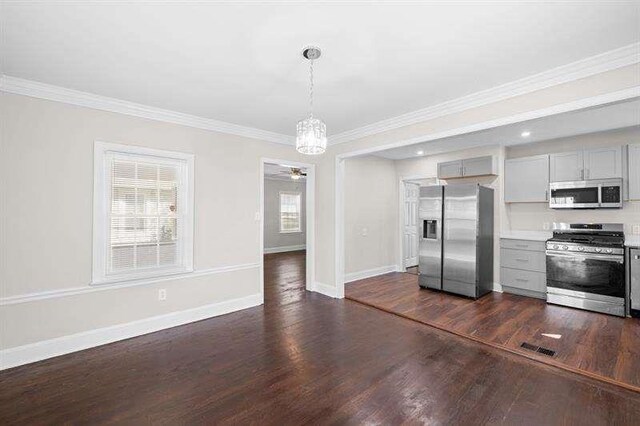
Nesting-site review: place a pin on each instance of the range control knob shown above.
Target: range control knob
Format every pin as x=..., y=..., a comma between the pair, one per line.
x=565, y=248
x=598, y=250
x=609, y=251
x=555, y=247
x=580, y=248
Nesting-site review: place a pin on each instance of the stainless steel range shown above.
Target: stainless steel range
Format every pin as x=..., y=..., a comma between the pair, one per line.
x=585, y=267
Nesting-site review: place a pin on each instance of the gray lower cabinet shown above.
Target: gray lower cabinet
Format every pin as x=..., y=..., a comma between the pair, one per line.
x=523, y=268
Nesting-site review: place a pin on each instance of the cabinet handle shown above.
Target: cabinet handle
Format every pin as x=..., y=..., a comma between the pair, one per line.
x=522, y=260
x=522, y=280
x=581, y=174
x=522, y=245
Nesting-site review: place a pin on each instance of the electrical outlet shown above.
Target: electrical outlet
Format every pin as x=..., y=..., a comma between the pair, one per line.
x=364, y=232
x=546, y=226
x=162, y=294
x=635, y=230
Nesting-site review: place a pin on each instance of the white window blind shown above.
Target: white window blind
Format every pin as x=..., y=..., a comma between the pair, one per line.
x=145, y=227
x=290, y=213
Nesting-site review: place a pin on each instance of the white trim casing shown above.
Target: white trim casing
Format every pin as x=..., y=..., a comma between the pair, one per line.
x=284, y=249
x=35, y=89
x=325, y=289
x=38, y=351
x=52, y=294
x=101, y=191
x=369, y=273
x=607, y=61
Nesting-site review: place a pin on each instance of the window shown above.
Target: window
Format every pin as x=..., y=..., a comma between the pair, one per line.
x=290, y=215
x=143, y=210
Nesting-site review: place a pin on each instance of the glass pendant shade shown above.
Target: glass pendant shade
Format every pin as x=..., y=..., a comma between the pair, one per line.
x=311, y=136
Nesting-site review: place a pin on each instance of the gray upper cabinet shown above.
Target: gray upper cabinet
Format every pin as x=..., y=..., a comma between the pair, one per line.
x=450, y=169
x=479, y=166
x=634, y=171
x=526, y=179
x=566, y=166
x=598, y=163
x=603, y=163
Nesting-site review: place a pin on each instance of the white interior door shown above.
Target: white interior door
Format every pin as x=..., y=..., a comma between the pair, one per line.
x=410, y=237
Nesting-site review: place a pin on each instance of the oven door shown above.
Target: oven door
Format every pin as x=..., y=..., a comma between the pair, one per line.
x=586, y=273
x=574, y=196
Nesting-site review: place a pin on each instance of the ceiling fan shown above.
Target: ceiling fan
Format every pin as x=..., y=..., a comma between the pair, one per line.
x=294, y=173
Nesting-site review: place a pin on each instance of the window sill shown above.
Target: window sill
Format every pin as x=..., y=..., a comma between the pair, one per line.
x=142, y=279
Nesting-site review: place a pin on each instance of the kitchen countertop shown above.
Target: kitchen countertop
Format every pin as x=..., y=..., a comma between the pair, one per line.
x=632, y=240
x=527, y=235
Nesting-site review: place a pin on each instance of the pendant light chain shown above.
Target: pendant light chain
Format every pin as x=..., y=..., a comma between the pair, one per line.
x=311, y=88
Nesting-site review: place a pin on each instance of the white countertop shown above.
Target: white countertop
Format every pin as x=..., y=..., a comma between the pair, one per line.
x=527, y=235
x=632, y=240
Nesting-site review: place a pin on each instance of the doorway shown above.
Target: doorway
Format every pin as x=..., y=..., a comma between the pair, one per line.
x=286, y=230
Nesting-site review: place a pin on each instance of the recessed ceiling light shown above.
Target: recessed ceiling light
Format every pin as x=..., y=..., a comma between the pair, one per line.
x=525, y=134
x=419, y=152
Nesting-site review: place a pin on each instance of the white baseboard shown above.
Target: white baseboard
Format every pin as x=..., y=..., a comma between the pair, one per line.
x=325, y=289
x=33, y=352
x=497, y=287
x=354, y=276
x=284, y=249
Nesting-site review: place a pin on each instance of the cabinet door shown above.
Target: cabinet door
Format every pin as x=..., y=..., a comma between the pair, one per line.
x=526, y=179
x=603, y=163
x=450, y=169
x=566, y=166
x=634, y=172
x=479, y=166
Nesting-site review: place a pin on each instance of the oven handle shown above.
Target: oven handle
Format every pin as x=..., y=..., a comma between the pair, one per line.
x=590, y=256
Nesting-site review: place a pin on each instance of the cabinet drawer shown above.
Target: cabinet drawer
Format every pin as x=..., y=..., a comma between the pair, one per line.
x=524, y=280
x=523, y=259
x=522, y=244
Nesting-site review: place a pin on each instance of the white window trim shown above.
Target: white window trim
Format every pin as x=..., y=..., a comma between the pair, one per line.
x=101, y=212
x=296, y=231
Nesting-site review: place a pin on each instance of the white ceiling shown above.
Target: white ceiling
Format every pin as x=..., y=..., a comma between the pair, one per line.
x=590, y=120
x=241, y=63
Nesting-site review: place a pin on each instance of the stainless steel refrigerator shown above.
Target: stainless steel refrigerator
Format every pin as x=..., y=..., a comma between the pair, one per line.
x=456, y=239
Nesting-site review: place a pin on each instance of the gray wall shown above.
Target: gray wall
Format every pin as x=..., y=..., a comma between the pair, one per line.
x=273, y=239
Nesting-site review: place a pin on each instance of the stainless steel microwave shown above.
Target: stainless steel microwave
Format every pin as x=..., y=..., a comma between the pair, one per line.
x=586, y=194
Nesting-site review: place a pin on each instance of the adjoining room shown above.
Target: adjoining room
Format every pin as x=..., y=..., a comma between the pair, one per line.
x=430, y=203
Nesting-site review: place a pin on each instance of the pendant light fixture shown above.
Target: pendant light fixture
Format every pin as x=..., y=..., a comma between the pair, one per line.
x=311, y=133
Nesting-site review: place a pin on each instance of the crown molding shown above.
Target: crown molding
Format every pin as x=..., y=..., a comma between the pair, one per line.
x=35, y=89
x=613, y=59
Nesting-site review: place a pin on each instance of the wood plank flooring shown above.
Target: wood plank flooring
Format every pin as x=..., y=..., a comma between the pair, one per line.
x=602, y=346
x=303, y=358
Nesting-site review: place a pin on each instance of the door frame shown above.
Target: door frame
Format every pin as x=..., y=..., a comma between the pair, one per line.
x=401, y=181
x=310, y=215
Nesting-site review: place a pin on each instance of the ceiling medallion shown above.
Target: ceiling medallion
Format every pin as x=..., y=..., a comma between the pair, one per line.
x=311, y=133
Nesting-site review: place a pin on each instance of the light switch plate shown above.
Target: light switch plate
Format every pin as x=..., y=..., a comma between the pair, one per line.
x=256, y=217
x=364, y=232
x=546, y=226
x=635, y=230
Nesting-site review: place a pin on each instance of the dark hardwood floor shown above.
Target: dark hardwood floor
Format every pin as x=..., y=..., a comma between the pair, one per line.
x=284, y=277
x=305, y=359
x=602, y=346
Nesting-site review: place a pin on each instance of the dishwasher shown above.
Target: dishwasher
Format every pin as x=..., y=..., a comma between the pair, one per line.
x=634, y=282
